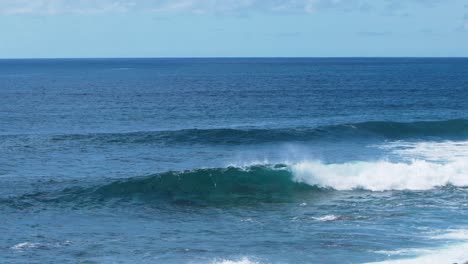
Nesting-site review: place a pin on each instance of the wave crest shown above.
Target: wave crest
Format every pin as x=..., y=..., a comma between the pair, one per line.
x=383, y=175
x=383, y=129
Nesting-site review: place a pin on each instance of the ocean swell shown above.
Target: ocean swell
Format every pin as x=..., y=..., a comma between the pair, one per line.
x=376, y=129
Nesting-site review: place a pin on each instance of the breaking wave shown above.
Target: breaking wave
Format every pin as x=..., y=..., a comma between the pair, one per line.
x=269, y=183
x=383, y=175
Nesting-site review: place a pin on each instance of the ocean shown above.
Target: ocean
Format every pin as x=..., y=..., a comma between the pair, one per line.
x=234, y=160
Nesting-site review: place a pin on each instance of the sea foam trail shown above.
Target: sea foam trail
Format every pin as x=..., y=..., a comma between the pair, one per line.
x=243, y=260
x=457, y=253
x=440, y=151
x=383, y=175
x=454, y=254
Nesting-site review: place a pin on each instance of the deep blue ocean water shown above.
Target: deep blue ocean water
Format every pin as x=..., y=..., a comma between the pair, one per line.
x=234, y=160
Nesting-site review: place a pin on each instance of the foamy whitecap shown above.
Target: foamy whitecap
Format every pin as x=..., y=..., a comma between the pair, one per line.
x=453, y=254
x=455, y=234
x=404, y=252
x=457, y=253
x=25, y=245
x=243, y=260
x=444, y=151
x=327, y=218
x=30, y=245
x=383, y=175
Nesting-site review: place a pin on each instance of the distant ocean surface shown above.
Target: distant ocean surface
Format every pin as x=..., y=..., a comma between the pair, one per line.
x=234, y=160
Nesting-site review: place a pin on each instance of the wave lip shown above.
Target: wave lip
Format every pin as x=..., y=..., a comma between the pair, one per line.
x=389, y=130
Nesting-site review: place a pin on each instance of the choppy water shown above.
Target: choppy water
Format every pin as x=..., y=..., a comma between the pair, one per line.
x=234, y=161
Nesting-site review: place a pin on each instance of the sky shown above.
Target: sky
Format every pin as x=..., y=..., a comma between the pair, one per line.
x=230, y=28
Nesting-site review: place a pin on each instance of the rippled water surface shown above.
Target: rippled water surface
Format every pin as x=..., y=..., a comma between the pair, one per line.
x=234, y=161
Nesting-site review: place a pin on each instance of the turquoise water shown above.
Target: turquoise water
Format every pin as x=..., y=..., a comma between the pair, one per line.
x=234, y=161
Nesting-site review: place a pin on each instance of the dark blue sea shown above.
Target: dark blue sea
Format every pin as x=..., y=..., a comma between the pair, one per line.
x=337, y=160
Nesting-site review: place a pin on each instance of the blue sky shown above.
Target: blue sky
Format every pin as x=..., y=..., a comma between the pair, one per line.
x=229, y=28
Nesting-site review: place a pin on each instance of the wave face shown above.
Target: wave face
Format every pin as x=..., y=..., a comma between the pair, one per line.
x=217, y=185
x=391, y=130
x=259, y=183
x=268, y=183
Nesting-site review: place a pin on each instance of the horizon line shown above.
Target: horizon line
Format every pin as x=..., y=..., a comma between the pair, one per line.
x=239, y=57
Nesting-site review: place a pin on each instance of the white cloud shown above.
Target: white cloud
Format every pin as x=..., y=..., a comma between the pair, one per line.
x=193, y=6
x=64, y=6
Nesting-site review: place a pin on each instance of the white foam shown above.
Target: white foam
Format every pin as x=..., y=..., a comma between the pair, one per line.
x=383, y=175
x=243, y=260
x=327, y=218
x=453, y=234
x=404, y=252
x=30, y=245
x=444, y=151
x=453, y=254
x=457, y=253
x=25, y=245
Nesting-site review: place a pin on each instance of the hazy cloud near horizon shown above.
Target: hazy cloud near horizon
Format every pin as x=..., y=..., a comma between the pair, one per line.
x=52, y=7
x=232, y=28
